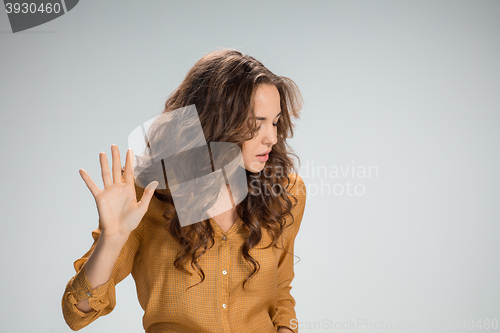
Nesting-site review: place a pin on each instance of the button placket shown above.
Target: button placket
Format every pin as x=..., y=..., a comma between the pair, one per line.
x=223, y=269
x=225, y=261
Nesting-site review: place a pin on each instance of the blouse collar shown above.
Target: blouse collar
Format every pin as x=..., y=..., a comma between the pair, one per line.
x=235, y=228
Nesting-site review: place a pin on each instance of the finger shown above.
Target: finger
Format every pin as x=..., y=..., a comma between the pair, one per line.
x=89, y=182
x=129, y=167
x=117, y=164
x=106, y=177
x=147, y=195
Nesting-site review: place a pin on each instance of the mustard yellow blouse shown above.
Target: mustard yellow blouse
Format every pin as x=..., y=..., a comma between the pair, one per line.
x=218, y=304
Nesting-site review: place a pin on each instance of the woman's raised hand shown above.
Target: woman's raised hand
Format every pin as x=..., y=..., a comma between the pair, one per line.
x=119, y=211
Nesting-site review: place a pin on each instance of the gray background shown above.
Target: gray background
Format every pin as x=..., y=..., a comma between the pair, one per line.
x=407, y=87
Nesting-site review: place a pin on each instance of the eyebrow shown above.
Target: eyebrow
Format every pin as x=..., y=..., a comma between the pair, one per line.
x=264, y=118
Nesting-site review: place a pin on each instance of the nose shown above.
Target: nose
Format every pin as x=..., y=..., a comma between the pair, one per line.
x=271, y=136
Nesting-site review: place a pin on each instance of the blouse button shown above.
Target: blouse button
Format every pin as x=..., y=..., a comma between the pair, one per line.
x=224, y=305
x=89, y=294
x=224, y=237
x=224, y=272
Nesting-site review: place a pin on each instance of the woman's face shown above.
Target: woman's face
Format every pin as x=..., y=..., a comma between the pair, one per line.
x=267, y=110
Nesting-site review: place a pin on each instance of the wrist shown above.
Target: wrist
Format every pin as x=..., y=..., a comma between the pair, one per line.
x=118, y=238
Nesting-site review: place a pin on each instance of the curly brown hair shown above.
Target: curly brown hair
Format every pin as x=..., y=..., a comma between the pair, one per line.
x=221, y=85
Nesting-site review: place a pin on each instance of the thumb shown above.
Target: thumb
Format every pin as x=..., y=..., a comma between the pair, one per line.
x=148, y=194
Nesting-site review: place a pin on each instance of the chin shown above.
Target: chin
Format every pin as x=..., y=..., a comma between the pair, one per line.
x=254, y=169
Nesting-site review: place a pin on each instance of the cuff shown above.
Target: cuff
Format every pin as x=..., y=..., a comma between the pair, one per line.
x=82, y=289
x=288, y=322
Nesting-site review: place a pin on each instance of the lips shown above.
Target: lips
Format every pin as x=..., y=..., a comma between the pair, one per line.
x=265, y=153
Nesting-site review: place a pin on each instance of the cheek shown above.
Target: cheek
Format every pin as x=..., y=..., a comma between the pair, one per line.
x=248, y=147
x=245, y=152
x=248, y=152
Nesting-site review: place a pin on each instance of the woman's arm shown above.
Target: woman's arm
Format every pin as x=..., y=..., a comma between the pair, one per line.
x=99, y=266
x=86, y=298
x=284, y=315
x=90, y=293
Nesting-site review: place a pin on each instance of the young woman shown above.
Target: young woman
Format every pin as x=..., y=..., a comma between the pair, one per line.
x=228, y=273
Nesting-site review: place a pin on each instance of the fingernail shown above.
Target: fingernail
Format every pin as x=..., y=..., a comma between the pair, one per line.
x=153, y=185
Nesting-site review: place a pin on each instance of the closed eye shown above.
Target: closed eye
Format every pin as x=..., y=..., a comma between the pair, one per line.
x=275, y=124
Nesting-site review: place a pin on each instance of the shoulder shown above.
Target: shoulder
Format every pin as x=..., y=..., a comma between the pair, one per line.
x=297, y=188
x=296, y=184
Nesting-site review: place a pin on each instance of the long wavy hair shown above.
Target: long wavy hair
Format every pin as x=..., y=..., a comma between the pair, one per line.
x=221, y=85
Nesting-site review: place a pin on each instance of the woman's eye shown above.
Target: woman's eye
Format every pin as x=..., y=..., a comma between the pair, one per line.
x=276, y=124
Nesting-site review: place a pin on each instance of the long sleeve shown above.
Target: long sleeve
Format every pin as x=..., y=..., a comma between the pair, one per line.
x=285, y=312
x=102, y=299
